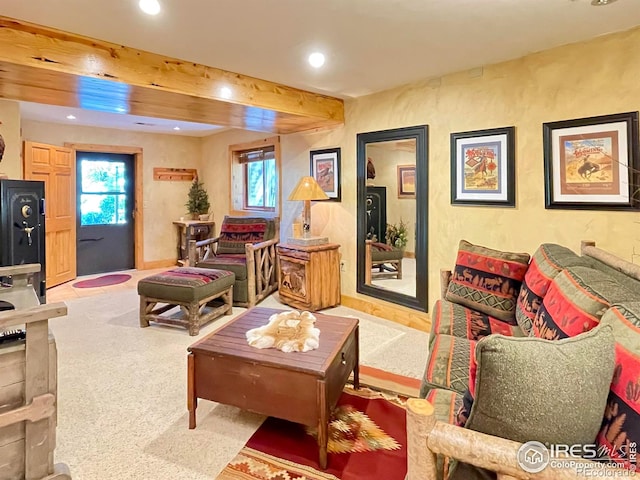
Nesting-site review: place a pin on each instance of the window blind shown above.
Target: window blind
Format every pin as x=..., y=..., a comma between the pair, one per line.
x=256, y=155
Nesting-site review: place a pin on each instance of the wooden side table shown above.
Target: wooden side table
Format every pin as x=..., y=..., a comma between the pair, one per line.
x=309, y=276
x=191, y=230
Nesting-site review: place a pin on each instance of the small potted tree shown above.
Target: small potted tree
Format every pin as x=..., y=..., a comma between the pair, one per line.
x=198, y=201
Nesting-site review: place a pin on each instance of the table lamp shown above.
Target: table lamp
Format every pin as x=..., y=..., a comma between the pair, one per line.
x=306, y=190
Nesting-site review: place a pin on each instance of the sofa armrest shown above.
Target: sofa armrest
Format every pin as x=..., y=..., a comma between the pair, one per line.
x=445, y=279
x=428, y=437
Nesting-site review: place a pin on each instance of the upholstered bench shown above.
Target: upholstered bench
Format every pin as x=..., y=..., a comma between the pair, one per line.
x=189, y=288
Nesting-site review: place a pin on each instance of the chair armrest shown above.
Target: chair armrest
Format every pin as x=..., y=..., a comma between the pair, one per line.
x=207, y=241
x=252, y=247
x=382, y=246
x=428, y=437
x=196, y=249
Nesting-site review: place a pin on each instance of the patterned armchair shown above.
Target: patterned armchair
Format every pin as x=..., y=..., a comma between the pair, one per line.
x=247, y=247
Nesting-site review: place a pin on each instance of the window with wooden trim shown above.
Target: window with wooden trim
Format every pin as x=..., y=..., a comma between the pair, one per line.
x=255, y=174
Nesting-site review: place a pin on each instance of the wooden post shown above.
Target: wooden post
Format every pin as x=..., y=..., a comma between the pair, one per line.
x=421, y=462
x=228, y=300
x=251, y=275
x=144, y=321
x=445, y=278
x=367, y=262
x=37, y=441
x=193, y=253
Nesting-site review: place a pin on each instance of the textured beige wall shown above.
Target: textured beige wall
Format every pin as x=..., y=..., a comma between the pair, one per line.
x=216, y=167
x=295, y=163
x=586, y=79
x=163, y=201
x=10, y=131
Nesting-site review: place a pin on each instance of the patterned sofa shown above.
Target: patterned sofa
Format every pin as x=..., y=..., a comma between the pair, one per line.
x=543, y=349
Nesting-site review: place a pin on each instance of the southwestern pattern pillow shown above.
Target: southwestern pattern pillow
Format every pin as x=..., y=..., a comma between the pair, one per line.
x=621, y=423
x=487, y=280
x=236, y=231
x=576, y=300
x=547, y=262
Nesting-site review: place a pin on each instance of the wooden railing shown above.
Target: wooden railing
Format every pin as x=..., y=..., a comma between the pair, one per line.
x=38, y=409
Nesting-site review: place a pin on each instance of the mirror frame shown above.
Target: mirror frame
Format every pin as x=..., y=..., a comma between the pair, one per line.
x=420, y=133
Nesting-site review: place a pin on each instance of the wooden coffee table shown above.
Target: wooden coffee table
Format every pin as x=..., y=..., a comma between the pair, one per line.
x=299, y=387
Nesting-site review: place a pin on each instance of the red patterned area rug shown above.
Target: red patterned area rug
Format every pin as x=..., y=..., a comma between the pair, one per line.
x=102, y=281
x=367, y=439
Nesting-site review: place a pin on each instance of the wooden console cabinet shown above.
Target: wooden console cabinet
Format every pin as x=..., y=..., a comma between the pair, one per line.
x=309, y=276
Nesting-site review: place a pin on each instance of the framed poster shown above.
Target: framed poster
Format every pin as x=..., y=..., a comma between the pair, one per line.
x=483, y=167
x=592, y=163
x=325, y=168
x=406, y=181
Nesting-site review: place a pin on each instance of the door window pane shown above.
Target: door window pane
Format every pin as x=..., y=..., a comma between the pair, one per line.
x=103, y=209
x=103, y=176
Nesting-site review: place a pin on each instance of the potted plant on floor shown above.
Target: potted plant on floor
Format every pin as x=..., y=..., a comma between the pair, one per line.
x=198, y=201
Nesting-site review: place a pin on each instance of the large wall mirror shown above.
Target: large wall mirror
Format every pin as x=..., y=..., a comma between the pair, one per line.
x=392, y=215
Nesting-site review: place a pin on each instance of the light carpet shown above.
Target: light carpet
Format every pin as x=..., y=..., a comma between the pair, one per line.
x=122, y=391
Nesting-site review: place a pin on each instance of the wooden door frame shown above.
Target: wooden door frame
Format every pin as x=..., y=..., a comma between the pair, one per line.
x=138, y=220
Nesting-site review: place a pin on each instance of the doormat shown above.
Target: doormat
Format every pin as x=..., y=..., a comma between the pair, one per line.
x=103, y=281
x=367, y=439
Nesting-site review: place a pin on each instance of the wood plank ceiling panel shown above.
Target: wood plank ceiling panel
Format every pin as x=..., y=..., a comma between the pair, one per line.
x=44, y=65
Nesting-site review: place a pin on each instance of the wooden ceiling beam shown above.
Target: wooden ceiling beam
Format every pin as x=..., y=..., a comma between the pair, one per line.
x=44, y=65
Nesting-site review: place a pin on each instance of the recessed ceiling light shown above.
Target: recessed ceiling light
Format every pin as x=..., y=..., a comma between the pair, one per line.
x=225, y=92
x=599, y=3
x=71, y=117
x=316, y=59
x=176, y=128
x=150, y=7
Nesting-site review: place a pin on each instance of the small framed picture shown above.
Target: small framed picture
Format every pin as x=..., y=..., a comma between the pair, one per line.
x=325, y=168
x=592, y=163
x=483, y=167
x=406, y=181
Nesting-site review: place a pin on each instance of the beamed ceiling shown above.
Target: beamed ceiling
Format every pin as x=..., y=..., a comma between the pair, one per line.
x=44, y=65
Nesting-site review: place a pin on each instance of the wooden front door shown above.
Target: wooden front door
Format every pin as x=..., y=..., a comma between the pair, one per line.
x=55, y=166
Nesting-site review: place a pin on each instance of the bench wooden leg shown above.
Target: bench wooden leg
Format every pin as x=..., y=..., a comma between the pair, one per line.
x=194, y=318
x=228, y=300
x=144, y=321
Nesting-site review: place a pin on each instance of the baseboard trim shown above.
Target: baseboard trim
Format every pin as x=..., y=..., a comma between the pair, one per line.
x=395, y=313
x=169, y=262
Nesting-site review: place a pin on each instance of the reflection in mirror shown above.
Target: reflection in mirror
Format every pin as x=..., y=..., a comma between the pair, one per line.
x=392, y=215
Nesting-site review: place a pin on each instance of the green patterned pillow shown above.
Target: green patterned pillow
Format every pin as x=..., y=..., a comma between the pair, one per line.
x=488, y=280
x=526, y=385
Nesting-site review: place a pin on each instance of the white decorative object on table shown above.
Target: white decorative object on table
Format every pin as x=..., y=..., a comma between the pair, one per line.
x=289, y=331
